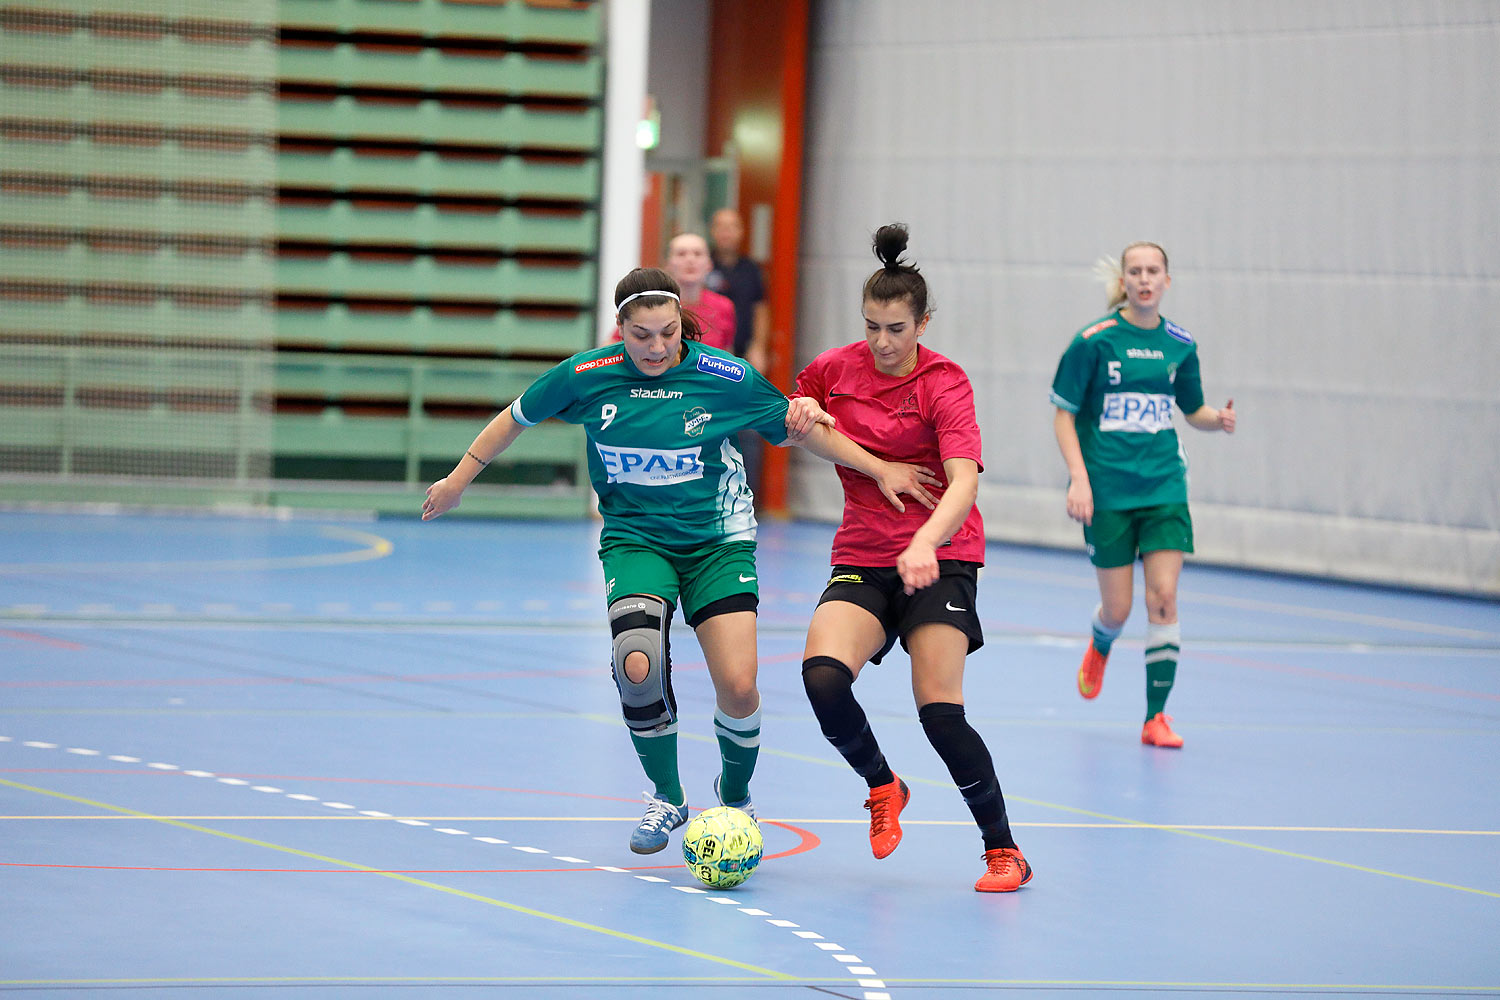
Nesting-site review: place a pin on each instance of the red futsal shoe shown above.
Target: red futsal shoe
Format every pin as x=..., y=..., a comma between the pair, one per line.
x=1091, y=673
x=1005, y=871
x=885, y=804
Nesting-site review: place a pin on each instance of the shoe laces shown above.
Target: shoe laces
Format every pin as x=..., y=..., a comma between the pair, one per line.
x=659, y=813
x=881, y=807
x=999, y=862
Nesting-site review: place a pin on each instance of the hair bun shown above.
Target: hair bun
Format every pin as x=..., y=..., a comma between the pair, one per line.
x=889, y=243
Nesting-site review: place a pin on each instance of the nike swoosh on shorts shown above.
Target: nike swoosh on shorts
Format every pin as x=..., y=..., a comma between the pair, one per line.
x=745, y=579
x=950, y=607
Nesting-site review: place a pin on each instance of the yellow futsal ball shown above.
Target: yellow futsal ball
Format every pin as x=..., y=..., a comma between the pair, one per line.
x=722, y=846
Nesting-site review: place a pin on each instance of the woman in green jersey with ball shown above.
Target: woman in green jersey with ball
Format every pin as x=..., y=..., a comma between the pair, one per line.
x=1127, y=475
x=662, y=413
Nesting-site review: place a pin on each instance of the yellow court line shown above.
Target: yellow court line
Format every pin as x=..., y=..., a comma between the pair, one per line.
x=422, y=883
x=796, y=820
x=374, y=547
x=1181, y=831
x=730, y=980
x=1198, y=835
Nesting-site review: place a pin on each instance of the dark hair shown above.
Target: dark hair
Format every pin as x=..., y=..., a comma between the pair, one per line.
x=653, y=279
x=896, y=279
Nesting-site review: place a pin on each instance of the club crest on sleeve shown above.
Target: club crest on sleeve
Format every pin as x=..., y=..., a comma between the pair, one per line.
x=722, y=367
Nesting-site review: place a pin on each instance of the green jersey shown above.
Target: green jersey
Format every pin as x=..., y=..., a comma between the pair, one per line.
x=661, y=450
x=1119, y=382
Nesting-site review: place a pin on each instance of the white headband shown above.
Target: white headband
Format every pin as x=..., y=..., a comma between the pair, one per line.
x=670, y=295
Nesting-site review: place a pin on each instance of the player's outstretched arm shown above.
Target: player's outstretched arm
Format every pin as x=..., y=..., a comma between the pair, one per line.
x=802, y=412
x=444, y=495
x=1206, y=418
x=893, y=478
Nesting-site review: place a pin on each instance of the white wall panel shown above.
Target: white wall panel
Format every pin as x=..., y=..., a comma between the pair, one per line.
x=1325, y=179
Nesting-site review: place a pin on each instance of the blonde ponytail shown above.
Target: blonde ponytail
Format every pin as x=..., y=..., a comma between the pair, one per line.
x=1107, y=271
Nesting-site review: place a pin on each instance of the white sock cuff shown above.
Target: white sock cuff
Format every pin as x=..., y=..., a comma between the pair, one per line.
x=1098, y=623
x=751, y=721
x=1158, y=634
x=745, y=732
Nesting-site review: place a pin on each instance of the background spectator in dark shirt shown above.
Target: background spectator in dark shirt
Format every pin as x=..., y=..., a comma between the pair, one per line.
x=740, y=279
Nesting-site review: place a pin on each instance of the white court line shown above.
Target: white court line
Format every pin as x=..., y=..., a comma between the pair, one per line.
x=836, y=951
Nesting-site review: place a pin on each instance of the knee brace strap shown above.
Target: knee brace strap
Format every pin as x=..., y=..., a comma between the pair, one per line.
x=642, y=624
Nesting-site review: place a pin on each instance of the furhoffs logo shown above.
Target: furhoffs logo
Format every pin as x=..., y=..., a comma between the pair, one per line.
x=722, y=367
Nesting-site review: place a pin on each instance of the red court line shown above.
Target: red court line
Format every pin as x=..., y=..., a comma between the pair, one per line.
x=45, y=640
x=807, y=840
x=331, y=871
x=1333, y=675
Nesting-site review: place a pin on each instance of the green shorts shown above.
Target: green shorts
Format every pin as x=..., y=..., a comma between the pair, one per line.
x=696, y=578
x=1117, y=536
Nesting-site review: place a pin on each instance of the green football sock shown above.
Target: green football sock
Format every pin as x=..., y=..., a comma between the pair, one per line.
x=1163, y=645
x=658, y=754
x=1104, y=637
x=739, y=746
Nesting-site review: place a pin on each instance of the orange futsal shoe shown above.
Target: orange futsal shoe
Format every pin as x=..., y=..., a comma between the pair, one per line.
x=1005, y=871
x=885, y=804
x=1157, y=732
x=1091, y=673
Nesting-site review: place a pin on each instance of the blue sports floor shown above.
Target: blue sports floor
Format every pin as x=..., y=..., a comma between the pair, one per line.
x=258, y=757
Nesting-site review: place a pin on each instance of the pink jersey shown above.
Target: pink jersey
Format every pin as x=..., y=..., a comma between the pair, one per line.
x=715, y=314
x=921, y=419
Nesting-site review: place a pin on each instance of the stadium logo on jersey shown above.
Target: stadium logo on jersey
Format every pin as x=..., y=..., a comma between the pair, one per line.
x=655, y=394
x=1136, y=412
x=1148, y=353
x=650, y=466
x=694, y=419
x=1103, y=324
x=1177, y=332
x=584, y=366
x=722, y=367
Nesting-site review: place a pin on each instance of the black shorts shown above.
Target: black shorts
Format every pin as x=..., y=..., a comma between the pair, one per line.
x=951, y=600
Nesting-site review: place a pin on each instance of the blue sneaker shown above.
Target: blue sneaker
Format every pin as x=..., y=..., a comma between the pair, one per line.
x=744, y=805
x=661, y=818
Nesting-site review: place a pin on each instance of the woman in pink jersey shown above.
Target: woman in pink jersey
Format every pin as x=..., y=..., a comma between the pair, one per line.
x=908, y=575
x=690, y=263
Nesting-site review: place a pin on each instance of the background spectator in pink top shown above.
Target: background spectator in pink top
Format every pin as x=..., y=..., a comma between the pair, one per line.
x=689, y=262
